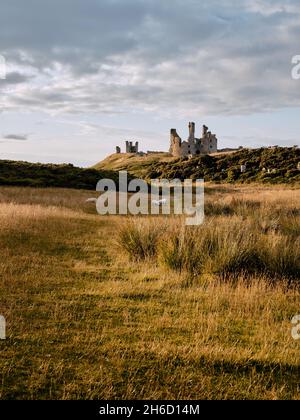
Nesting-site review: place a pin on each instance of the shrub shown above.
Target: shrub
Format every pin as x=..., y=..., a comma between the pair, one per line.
x=282, y=161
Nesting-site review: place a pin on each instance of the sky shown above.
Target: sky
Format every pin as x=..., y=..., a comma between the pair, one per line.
x=83, y=76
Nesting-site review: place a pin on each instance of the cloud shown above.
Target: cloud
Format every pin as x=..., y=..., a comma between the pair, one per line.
x=14, y=78
x=22, y=137
x=120, y=56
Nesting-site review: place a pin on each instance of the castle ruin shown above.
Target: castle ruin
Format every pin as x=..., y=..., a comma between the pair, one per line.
x=193, y=146
x=208, y=143
x=130, y=147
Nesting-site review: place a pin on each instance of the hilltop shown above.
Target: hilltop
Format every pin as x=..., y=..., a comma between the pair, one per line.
x=137, y=165
x=266, y=165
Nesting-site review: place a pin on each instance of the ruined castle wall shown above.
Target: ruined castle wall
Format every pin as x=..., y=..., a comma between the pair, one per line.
x=188, y=149
x=214, y=144
x=208, y=143
x=205, y=145
x=175, y=144
x=176, y=149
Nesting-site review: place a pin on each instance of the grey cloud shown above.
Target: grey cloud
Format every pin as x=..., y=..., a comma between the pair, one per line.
x=14, y=78
x=211, y=57
x=22, y=137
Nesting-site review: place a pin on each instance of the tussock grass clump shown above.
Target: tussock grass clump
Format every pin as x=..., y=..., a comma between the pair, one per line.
x=189, y=248
x=218, y=208
x=213, y=248
x=139, y=238
x=244, y=207
x=290, y=226
x=282, y=258
x=217, y=248
x=237, y=250
x=232, y=250
x=270, y=221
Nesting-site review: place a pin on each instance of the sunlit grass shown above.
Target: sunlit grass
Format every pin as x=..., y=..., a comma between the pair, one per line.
x=86, y=321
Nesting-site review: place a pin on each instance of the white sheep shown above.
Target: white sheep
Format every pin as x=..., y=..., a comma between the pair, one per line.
x=159, y=203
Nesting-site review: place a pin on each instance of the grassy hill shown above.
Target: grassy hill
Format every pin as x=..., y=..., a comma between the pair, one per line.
x=49, y=175
x=138, y=166
x=274, y=165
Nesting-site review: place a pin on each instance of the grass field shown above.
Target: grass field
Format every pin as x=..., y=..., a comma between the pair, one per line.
x=84, y=320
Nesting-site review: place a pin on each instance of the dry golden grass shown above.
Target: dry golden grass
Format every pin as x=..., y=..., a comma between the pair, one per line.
x=84, y=321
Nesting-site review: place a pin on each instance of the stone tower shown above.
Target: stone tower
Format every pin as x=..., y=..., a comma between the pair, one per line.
x=208, y=143
x=130, y=148
x=191, y=138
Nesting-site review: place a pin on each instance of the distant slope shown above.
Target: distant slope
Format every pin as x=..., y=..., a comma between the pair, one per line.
x=274, y=165
x=138, y=166
x=49, y=175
